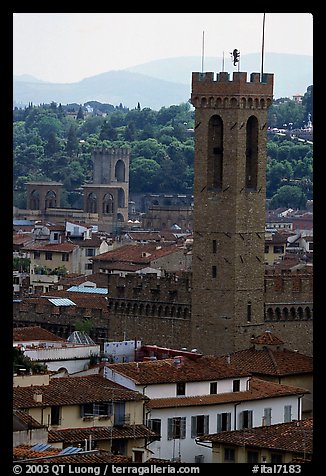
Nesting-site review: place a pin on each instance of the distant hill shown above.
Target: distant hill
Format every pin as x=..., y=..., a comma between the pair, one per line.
x=113, y=87
x=162, y=82
x=292, y=73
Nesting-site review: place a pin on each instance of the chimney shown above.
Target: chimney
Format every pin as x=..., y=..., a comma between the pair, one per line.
x=38, y=397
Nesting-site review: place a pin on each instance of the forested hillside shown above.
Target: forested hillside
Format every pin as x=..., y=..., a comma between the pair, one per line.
x=50, y=143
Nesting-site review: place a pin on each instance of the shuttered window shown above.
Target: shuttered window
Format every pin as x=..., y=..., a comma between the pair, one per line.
x=199, y=425
x=246, y=419
x=268, y=416
x=176, y=428
x=287, y=413
x=223, y=422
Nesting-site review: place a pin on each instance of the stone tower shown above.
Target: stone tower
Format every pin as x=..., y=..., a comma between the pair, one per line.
x=108, y=195
x=229, y=208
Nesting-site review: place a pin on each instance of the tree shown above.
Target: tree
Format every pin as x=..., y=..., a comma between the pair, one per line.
x=290, y=196
x=107, y=132
x=144, y=174
x=80, y=114
x=85, y=326
x=23, y=364
x=72, y=142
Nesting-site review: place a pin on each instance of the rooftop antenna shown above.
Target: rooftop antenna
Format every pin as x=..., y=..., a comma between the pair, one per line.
x=223, y=62
x=202, y=53
x=262, y=48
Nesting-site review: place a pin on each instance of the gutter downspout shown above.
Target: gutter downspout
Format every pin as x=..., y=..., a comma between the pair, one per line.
x=300, y=406
x=235, y=415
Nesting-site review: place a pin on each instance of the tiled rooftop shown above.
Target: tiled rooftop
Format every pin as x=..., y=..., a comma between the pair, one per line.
x=55, y=247
x=52, y=455
x=295, y=437
x=23, y=421
x=83, y=300
x=169, y=371
x=267, y=338
x=272, y=362
x=258, y=389
x=75, y=435
x=34, y=333
x=135, y=253
x=73, y=391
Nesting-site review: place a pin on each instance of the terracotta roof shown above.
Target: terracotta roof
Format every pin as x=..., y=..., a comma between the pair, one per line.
x=135, y=253
x=94, y=242
x=295, y=437
x=145, y=235
x=267, y=338
x=34, y=333
x=168, y=371
x=52, y=455
x=23, y=421
x=272, y=362
x=123, y=266
x=25, y=451
x=82, y=300
x=75, y=435
x=258, y=390
x=54, y=247
x=73, y=391
x=100, y=279
x=21, y=239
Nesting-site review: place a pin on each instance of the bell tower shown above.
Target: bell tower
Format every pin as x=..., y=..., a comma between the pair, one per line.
x=229, y=208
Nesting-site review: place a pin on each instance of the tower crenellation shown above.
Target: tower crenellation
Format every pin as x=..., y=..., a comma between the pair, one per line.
x=209, y=90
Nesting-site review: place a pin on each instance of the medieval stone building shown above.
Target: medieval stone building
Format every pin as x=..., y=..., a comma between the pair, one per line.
x=105, y=200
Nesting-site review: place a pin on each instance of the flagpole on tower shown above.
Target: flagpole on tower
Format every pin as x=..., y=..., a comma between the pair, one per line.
x=262, y=49
x=202, y=53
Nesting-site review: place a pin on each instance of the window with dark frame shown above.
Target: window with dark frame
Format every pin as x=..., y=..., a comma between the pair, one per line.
x=181, y=388
x=213, y=388
x=236, y=385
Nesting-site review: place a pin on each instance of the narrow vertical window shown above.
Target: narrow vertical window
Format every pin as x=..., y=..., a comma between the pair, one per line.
x=214, y=271
x=214, y=246
x=252, y=153
x=215, y=153
x=249, y=311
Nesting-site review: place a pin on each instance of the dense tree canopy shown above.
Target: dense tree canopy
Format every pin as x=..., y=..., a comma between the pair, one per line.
x=50, y=145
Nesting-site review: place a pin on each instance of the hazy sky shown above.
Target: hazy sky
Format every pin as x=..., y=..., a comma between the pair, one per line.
x=67, y=47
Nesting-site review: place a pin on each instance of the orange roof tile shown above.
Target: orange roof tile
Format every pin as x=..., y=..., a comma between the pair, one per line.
x=138, y=253
x=270, y=362
x=258, y=389
x=73, y=391
x=75, y=435
x=295, y=437
x=34, y=333
x=167, y=370
x=54, y=247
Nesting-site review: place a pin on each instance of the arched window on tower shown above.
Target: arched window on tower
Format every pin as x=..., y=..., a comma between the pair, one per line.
x=215, y=153
x=35, y=200
x=50, y=199
x=91, y=205
x=120, y=171
x=107, y=205
x=252, y=153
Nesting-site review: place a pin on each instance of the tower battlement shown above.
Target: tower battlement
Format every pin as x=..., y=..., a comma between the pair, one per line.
x=207, y=84
x=116, y=153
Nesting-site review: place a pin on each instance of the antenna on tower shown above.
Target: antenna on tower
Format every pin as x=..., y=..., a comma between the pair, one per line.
x=223, y=62
x=202, y=53
x=262, y=49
